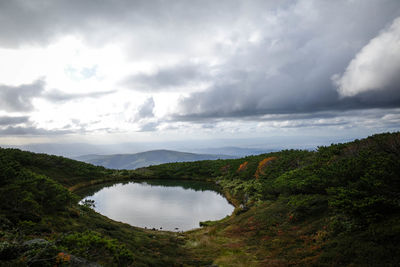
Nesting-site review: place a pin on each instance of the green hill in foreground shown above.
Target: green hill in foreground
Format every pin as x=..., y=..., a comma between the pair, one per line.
x=337, y=206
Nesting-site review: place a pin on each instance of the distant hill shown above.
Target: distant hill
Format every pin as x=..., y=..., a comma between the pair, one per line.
x=235, y=151
x=144, y=159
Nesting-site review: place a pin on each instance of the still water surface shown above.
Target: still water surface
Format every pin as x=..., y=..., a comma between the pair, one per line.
x=170, y=205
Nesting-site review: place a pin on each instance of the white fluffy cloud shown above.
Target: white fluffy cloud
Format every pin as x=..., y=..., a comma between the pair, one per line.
x=375, y=67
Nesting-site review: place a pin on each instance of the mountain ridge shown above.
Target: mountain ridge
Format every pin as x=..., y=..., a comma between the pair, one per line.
x=146, y=158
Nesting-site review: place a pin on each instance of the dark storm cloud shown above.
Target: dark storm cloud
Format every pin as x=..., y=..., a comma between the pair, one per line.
x=40, y=21
x=19, y=98
x=167, y=78
x=236, y=101
x=59, y=96
x=290, y=69
x=7, y=120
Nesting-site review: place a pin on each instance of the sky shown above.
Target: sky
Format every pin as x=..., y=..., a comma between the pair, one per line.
x=154, y=71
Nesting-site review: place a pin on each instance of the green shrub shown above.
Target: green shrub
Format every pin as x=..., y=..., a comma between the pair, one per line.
x=303, y=206
x=92, y=246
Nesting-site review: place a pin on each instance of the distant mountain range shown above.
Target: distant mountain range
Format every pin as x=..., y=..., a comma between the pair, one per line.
x=74, y=150
x=231, y=147
x=144, y=159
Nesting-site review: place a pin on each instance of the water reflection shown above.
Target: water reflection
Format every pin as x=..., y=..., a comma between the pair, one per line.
x=162, y=204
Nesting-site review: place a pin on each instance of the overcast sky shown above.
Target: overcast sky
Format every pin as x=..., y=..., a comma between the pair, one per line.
x=132, y=71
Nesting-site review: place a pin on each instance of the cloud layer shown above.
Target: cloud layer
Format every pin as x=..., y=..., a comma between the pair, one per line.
x=6, y=120
x=198, y=67
x=289, y=69
x=169, y=78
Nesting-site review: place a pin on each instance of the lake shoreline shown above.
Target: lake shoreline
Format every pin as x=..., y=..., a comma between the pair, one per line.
x=170, y=204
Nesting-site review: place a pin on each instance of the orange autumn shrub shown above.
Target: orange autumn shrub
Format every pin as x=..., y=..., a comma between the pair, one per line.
x=63, y=257
x=262, y=165
x=243, y=166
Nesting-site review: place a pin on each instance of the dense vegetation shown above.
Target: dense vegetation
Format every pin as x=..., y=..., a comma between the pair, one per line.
x=349, y=194
x=41, y=223
x=336, y=206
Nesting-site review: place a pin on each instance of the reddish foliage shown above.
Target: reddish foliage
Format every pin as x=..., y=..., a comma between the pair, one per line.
x=63, y=257
x=243, y=166
x=262, y=165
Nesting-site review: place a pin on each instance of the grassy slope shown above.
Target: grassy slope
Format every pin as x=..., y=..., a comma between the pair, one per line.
x=336, y=206
x=35, y=206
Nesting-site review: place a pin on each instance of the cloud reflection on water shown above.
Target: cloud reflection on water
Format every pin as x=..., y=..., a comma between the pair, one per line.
x=144, y=205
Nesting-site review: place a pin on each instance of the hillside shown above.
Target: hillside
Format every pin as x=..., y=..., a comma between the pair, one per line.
x=42, y=224
x=144, y=159
x=337, y=206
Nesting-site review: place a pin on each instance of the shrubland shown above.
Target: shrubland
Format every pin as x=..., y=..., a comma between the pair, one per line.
x=336, y=206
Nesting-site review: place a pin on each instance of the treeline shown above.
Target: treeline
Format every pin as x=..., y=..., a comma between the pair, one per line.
x=360, y=177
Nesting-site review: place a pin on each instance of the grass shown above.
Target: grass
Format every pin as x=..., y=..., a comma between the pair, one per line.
x=263, y=236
